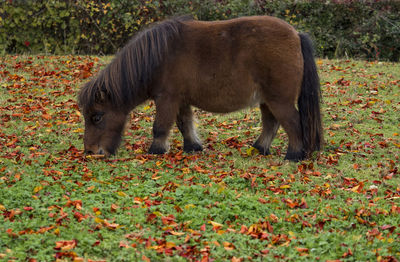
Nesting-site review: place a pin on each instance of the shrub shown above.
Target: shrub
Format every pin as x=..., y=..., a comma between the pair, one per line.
x=363, y=29
x=37, y=26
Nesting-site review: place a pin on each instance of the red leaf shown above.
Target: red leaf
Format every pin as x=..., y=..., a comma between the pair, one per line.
x=79, y=216
x=168, y=220
x=17, y=115
x=69, y=254
x=11, y=234
x=388, y=227
x=303, y=204
x=96, y=243
x=269, y=227
x=151, y=217
x=262, y=201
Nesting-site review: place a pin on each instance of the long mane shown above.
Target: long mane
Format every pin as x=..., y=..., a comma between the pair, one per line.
x=126, y=78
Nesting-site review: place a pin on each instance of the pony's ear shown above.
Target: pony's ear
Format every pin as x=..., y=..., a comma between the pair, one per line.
x=100, y=96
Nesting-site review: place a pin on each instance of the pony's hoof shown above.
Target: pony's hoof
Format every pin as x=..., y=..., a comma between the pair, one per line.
x=155, y=150
x=263, y=151
x=295, y=156
x=192, y=148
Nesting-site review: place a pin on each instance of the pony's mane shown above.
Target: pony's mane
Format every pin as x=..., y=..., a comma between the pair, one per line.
x=129, y=73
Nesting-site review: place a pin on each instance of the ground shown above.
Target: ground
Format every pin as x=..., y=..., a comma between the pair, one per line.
x=225, y=203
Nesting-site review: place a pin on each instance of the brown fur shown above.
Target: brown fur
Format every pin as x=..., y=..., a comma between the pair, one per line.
x=220, y=66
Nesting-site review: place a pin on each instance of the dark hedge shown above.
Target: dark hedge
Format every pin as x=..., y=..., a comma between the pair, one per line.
x=345, y=28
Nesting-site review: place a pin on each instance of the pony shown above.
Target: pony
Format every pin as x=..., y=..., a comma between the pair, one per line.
x=217, y=66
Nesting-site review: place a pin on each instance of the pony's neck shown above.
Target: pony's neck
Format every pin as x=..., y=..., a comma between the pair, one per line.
x=129, y=76
x=140, y=97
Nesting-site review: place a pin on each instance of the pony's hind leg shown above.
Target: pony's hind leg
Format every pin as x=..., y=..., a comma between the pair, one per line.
x=166, y=111
x=269, y=128
x=288, y=116
x=191, y=141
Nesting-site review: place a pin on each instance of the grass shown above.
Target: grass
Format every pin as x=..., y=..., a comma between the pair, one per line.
x=225, y=203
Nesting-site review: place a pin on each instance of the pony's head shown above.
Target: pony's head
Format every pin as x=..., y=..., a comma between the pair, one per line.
x=104, y=121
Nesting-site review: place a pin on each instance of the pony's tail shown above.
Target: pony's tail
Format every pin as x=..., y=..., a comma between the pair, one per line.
x=309, y=100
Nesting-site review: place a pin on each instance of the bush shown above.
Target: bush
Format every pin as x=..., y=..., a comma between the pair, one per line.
x=72, y=26
x=362, y=29
x=37, y=26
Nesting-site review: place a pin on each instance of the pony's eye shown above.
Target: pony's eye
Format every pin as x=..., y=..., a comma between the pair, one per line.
x=97, y=118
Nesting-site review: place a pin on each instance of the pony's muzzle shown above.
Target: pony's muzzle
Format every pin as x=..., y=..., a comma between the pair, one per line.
x=96, y=153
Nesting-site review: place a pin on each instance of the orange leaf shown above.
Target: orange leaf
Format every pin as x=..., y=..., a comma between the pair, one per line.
x=273, y=218
x=170, y=245
x=123, y=244
x=348, y=253
x=46, y=116
x=358, y=188
x=114, y=207
x=215, y=225
x=302, y=249
x=177, y=233
x=66, y=244
x=228, y=246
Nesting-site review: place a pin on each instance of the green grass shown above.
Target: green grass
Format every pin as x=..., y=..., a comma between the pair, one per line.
x=224, y=203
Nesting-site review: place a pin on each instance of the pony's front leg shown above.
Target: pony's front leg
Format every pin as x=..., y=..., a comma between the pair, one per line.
x=166, y=111
x=184, y=121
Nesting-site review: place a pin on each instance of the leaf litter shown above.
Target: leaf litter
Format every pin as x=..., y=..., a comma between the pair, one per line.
x=226, y=203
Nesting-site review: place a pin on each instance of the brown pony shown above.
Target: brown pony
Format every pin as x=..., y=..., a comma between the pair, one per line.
x=219, y=66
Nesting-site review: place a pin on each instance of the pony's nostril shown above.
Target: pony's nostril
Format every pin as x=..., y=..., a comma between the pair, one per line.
x=101, y=151
x=89, y=152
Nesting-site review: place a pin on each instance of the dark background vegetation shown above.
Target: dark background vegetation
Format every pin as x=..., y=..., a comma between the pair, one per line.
x=341, y=28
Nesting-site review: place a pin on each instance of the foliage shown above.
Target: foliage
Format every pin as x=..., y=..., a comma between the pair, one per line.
x=72, y=26
x=37, y=26
x=227, y=203
x=364, y=29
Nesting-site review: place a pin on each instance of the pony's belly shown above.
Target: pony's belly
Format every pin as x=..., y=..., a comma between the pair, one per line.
x=228, y=102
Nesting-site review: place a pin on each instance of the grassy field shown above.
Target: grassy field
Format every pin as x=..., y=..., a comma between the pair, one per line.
x=224, y=204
